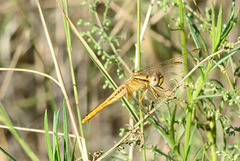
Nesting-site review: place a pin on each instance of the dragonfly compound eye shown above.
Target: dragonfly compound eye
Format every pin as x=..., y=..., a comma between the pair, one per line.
x=155, y=79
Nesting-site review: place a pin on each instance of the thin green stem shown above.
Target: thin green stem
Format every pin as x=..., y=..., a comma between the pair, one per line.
x=60, y=79
x=69, y=50
x=138, y=52
x=212, y=140
x=185, y=65
x=138, y=67
x=109, y=39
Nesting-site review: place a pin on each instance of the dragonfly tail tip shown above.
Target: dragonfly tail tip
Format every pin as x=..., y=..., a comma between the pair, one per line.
x=84, y=121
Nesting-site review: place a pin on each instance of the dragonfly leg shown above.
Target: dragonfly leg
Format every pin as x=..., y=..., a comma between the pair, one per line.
x=159, y=92
x=129, y=93
x=147, y=112
x=140, y=103
x=168, y=97
x=143, y=94
x=176, y=86
x=151, y=106
x=155, y=93
x=173, y=99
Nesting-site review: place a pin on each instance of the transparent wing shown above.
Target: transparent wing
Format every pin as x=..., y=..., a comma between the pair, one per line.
x=172, y=70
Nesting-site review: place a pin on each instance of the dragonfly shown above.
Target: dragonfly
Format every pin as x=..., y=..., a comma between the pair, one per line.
x=156, y=78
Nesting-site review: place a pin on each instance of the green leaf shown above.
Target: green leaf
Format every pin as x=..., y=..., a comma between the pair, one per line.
x=225, y=57
x=47, y=137
x=65, y=129
x=230, y=23
x=162, y=133
x=158, y=151
x=196, y=33
x=198, y=152
x=217, y=38
x=7, y=121
x=57, y=150
x=190, y=143
x=73, y=150
x=8, y=155
x=55, y=124
x=213, y=24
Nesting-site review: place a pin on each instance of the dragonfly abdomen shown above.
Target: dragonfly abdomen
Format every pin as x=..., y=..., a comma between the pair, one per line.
x=120, y=92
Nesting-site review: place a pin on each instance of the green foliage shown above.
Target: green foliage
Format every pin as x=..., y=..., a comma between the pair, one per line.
x=202, y=102
x=54, y=148
x=98, y=37
x=201, y=112
x=4, y=118
x=7, y=154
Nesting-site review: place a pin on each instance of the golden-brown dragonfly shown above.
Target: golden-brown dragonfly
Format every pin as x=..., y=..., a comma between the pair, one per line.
x=155, y=79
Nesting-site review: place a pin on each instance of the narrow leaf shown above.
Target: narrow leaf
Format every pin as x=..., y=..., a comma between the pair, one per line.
x=7, y=121
x=226, y=57
x=65, y=129
x=217, y=38
x=47, y=137
x=57, y=150
x=8, y=155
x=73, y=150
x=55, y=124
x=230, y=23
x=196, y=33
x=213, y=24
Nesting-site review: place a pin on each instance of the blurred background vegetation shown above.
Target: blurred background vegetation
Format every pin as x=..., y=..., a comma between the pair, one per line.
x=110, y=29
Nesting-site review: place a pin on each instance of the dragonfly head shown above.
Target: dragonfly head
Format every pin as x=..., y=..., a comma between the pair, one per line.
x=156, y=79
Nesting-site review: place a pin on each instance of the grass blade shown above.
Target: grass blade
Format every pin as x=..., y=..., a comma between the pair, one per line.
x=73, y=150
x=230, y=23
x=217, y=38
x=6, y=120
x=213, y=24
x=65, y=129
x=8, y=155
x=47, y=137
x=196, y=33
x=57, y=150
x=55, y=124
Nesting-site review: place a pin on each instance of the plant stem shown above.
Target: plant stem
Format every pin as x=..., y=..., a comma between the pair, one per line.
x=185, y=65
x=61, y=82
x=212, y=140
x=69, y=50
x=138, y=67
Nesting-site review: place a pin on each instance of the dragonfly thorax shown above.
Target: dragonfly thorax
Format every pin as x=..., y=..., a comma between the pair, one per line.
x=156, y=79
